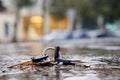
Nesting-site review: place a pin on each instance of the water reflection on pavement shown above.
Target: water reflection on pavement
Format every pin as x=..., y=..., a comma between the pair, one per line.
x=105, y=64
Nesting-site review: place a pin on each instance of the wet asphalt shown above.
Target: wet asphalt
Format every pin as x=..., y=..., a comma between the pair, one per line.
x=103, y=59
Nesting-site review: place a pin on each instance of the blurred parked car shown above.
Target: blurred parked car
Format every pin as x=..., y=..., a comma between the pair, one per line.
x=56, y=35
x=117, y=33
x=79, y=34
x=99, y=34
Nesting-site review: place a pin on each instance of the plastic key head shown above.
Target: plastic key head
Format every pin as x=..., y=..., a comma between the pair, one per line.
x=39, y=59
x=57, y=53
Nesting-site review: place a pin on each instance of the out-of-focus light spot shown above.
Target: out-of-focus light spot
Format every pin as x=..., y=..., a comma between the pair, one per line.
x=111, y=27
x=36, y=19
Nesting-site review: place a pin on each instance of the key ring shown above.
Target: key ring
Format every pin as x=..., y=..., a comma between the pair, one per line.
x=57, y=53
x=46, y=49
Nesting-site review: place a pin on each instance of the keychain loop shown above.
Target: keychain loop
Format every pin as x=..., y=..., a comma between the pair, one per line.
x=49, y=48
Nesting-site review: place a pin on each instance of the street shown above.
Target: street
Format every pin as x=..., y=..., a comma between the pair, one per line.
x=104, y=62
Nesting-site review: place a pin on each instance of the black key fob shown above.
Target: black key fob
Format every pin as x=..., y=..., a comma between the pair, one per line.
x=65, y=62
x=39, y=59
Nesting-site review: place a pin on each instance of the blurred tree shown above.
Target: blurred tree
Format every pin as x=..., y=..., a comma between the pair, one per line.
x=19, y=4
x=58, y=8
x=2, y=7
x=88, y=9
x=108, y=8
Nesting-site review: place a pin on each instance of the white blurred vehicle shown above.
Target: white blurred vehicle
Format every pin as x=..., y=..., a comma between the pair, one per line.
x=56, y=35
x=79, y=34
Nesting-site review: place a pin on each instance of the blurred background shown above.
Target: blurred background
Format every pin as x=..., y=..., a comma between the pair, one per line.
x=50, y=20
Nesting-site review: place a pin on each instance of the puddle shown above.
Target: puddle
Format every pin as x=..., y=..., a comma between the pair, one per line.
x=104, y=64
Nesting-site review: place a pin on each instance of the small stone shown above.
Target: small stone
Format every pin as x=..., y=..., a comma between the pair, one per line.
x=86, y=66
x=4, y=71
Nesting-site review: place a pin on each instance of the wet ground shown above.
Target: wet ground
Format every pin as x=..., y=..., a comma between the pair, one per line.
x=104, y=61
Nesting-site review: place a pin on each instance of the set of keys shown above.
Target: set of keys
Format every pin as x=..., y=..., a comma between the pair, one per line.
x=44, y=60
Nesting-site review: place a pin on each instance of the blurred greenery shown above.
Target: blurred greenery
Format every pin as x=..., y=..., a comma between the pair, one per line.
x=23, y=3
x=110, y=9
x=58, y=8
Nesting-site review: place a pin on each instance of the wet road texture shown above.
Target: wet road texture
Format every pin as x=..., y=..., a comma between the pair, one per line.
x=104, y=63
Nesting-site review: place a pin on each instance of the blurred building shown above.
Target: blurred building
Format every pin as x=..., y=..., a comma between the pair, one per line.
x=30, y=24
x=6, y=16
